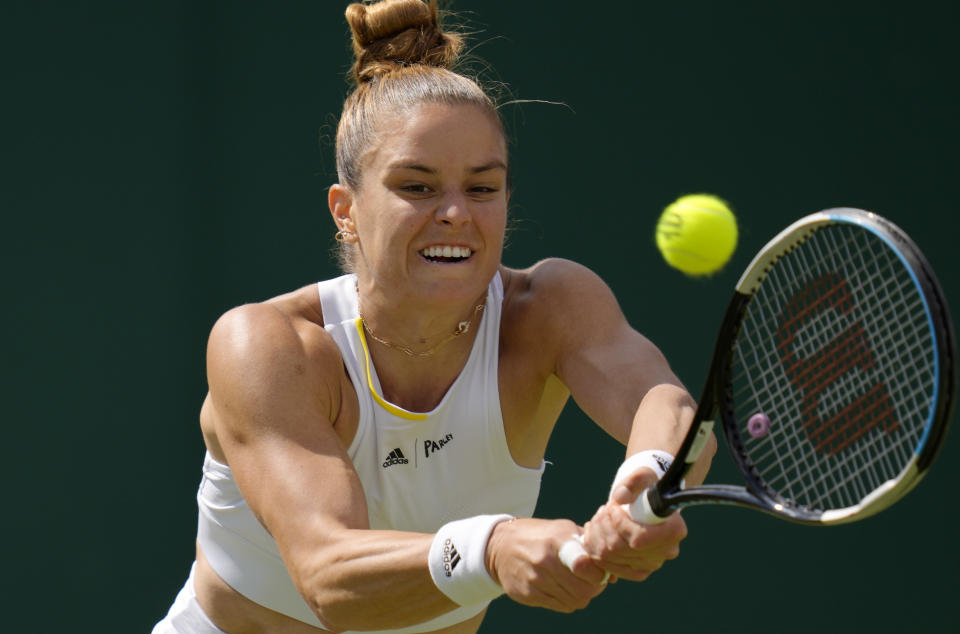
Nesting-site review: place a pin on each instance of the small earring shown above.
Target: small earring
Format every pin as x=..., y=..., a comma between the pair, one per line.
x=342, y=236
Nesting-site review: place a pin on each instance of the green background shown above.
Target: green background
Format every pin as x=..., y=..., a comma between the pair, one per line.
x=165, y=161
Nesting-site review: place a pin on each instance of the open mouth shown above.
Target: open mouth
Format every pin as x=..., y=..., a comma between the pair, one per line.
x=446, y=253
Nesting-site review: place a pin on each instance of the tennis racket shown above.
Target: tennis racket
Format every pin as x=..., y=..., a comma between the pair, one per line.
x=832, y=376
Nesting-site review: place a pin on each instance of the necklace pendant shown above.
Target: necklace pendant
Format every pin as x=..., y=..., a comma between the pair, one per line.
x=462, y=327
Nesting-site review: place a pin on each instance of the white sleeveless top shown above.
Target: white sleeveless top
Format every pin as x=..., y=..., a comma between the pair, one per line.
x=419, y=470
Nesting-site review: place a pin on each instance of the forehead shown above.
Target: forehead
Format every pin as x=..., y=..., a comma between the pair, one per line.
x=440, y=135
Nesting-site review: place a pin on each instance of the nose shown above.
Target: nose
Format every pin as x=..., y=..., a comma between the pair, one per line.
x=453, y=210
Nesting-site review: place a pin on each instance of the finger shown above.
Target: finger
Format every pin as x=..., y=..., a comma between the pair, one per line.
x=627, y=489
x=612, y=539
x=621, y=571
x=602, y=537
x=537, y=598
x=588, y=570
x=617, y=555
x=551, y=585
x=566, y=591
x=575, y=557
x=671, y=531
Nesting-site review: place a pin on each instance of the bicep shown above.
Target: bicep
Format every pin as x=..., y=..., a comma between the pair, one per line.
x=273, y=418
x=607, y=365
x=608, y=377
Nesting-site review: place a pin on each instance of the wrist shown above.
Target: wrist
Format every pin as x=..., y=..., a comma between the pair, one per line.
x=459, y=562
x=493, y=547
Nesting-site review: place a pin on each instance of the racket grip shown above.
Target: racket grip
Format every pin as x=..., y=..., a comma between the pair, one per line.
x=641, y=511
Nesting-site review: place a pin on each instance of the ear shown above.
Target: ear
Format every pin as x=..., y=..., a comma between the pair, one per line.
x=340, y=201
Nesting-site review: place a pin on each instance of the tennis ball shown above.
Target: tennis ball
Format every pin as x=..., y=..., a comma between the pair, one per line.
x=697, y=234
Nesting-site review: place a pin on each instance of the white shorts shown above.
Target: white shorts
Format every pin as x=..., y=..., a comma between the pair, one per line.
x=185, y=615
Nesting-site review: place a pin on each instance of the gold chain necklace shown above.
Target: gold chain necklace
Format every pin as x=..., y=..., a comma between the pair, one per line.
x=462, y=328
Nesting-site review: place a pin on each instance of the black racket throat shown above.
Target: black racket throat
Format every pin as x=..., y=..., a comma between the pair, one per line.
x=708, y=406
x=671, y=493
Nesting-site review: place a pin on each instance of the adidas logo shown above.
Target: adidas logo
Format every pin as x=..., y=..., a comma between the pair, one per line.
x=395, y=457
x=450, y=558
x=664, y=463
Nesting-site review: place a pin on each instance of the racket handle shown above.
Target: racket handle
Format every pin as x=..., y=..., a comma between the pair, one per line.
x=641, y=511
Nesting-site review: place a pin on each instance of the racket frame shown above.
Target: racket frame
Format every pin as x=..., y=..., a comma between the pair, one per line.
x=669, y=494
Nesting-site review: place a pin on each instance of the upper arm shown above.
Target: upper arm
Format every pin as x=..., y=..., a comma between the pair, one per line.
x=275, y=399
x=607, y=365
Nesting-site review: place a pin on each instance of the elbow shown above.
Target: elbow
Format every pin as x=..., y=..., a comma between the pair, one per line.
x=321, y=604
x=330, y=617
x=340, y=610
x=671, y=393
x=675, y=398
x=316, y=583
x=327, y=585
x=333, y=613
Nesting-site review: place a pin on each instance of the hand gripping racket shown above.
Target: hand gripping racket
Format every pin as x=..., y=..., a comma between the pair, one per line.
x=832, y=376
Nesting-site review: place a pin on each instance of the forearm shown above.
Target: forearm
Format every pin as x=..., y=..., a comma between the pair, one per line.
x=662, y=419
x=366, y=580
x=662, y=422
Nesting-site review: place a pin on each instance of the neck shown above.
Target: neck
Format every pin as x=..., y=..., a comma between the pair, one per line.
x=418, y=331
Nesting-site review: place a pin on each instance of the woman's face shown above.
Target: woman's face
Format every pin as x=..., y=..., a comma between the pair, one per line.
x=430, y=211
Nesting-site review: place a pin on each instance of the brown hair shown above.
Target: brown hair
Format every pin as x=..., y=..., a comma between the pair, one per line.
x=403, y=59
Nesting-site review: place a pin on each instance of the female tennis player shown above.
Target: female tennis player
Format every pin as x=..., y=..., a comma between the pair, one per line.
x=376, y=441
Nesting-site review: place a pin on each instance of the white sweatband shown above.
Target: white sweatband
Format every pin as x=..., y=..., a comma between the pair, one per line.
x=456, y=560
x=658, y=461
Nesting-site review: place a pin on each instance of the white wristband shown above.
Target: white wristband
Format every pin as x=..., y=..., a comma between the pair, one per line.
x=456, y=560
x=658, y=461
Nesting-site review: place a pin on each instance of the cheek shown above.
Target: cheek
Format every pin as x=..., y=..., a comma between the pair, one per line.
x=495, y=223
x=377, y=223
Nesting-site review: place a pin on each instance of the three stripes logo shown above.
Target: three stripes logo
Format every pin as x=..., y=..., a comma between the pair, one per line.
x=663, y=462
x=450, y=558
x=395, y=457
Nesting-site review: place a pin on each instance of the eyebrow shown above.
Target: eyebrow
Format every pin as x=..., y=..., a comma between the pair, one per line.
x=418, y=167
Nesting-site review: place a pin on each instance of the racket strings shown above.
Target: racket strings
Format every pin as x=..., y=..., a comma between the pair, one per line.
x=844, y=418
x=870, y=476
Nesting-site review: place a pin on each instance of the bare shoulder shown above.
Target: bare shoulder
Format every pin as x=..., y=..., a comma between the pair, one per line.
x=272, y=330
x=262, y=349
x=556, y=280
x=556, y=292
x=554, y=306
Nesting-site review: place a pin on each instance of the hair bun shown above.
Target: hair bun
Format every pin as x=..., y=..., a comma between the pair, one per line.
x=391, y=34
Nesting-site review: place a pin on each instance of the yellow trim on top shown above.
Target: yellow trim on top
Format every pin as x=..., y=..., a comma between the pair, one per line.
x=390, y=407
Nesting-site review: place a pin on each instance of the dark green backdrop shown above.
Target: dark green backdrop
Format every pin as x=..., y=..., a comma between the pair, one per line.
x=164, y=161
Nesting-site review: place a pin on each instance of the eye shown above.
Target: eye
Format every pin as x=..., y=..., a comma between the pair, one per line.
x=415, y=188
x=483, y=190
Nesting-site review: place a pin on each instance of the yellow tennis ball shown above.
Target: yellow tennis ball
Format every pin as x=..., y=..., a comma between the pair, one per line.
x=697, y=234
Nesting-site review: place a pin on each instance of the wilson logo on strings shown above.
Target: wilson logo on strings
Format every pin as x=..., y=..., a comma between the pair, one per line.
x=814, y=374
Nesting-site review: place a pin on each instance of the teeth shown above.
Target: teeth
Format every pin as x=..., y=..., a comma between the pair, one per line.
x=446, y=252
